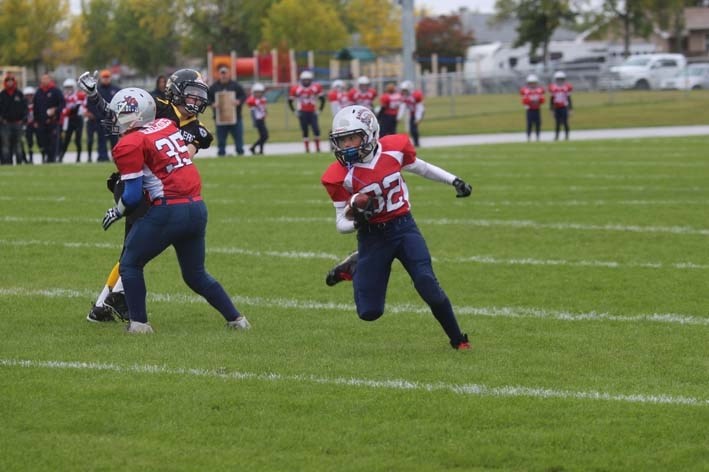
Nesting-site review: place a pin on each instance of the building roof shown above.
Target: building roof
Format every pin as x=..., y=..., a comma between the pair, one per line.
x=362, y=53
x=485, y=30
x=696, y=18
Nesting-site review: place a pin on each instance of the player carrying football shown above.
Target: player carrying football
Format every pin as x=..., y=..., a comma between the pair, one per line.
x=386, y=230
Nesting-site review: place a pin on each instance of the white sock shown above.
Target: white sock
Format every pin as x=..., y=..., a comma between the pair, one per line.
x=102, y=296
x=119, y=286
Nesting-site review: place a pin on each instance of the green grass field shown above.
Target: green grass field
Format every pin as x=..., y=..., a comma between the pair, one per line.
x=579, y=269
x=494, y=113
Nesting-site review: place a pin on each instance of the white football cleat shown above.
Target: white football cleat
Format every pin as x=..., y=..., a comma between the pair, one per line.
x=239, y=323
x=139, y=328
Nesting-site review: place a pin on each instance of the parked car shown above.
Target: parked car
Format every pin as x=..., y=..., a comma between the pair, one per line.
x=644, y=72
x=692, y=77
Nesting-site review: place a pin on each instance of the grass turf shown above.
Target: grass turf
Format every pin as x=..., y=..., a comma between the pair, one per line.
x=578, y=269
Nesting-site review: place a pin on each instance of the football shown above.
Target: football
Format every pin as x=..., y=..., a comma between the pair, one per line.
x=358, y=202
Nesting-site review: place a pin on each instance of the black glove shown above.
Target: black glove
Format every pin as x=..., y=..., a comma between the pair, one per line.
x=362, y=215
x=462, y=189
x=112, y=180
x=204, y=138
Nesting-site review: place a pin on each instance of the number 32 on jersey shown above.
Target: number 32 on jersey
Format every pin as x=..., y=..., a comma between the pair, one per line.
x=391, y=194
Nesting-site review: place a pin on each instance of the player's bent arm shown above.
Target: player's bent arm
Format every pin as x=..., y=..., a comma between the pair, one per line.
x=342, y=223
x=132, y=193
x=429, y=171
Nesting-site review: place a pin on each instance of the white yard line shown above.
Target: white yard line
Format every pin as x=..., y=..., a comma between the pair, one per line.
x=480, y=390
x=681, y=230
x=475, y=259
x=311, y=305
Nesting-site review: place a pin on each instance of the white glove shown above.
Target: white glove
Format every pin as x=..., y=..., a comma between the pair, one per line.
x=114, y=214
x=87, y=82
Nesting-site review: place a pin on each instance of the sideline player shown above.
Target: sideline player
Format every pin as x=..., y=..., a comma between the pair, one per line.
x=532, y=99
x=412, y=102
x=152, y=157
x=560, y=103
x=257, y=104
x=305, y=95
x=386, y=230
x=187, y=96
x=364, y=94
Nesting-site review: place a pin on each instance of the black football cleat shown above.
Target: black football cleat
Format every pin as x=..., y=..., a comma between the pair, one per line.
x=100, y=314
x=342, y=271
x=116, y=302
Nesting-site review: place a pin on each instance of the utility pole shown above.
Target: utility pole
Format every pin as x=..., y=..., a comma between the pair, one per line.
x=408, y=38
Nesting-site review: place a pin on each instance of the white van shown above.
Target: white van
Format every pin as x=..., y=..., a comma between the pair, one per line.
x=646, y=71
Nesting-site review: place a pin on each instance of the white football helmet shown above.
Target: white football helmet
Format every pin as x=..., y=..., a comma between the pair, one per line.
x=407, y=85
x=338, y=84
x=130, y=108
x=28, y=91
x=364, y=80
x=69, y=83
x=258, y=87
x=354, y=120
x=306, y=75
x=559, y=75
x=532, y=79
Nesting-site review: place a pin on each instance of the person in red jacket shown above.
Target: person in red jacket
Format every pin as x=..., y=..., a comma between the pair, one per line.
x=560, y=102
x=532, y=99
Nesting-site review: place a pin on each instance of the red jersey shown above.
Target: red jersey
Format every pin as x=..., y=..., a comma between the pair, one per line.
x=532, y=97
x=306, y=98
x=257, y=106
x=390, y=103
x=364, y=98
x=75, y=104
x=158, y=153
x=338, y=100
x=381, y=178
x=413, y=102
x=560, y=94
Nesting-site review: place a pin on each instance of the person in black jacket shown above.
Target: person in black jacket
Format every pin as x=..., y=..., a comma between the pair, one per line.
x=13, y=112
x=48, y=106
x=226, y=84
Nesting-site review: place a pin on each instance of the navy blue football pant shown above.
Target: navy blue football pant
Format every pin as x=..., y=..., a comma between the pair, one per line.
x=561, y=115
x=309, y=119
x=378, y=246
x=414, y=130
x=534, y=120
x=182, y=226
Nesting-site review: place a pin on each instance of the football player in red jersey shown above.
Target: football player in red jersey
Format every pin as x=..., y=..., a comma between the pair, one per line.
x=390, y=102
x=306, y=95
x=72, y=118
x=364, y=94
x=155, y=162
x=532, y=98
x=187, y=96
x=387, y=230
x=337, y=96
x=413, y=106
x=257, y=104
x=560, y=102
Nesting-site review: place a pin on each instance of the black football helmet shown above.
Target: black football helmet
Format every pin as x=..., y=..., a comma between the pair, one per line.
x=187, y=88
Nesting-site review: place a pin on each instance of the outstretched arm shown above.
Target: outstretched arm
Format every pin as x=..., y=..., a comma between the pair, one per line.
x=431, y=172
